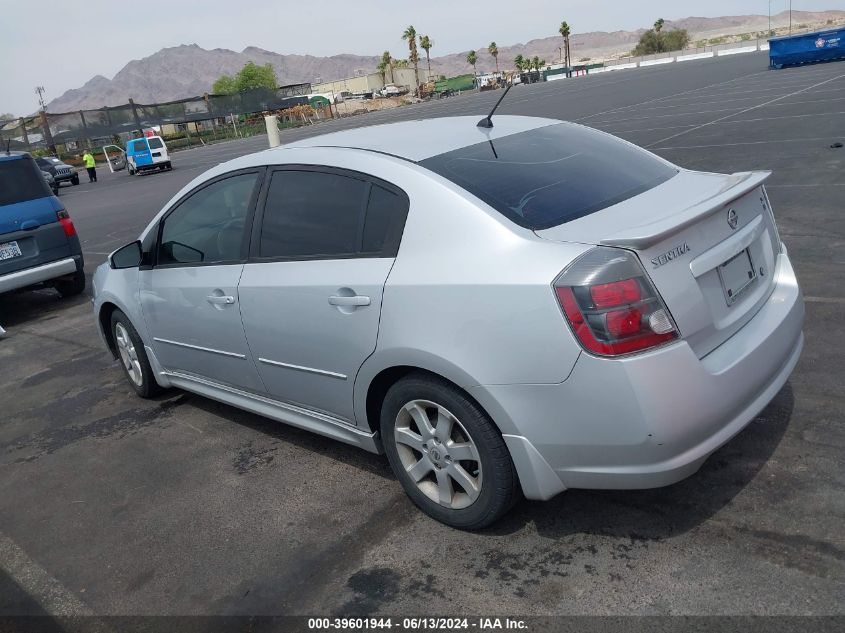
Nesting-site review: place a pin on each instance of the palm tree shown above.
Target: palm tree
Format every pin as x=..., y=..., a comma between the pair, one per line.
x=410, y=35
x=658, y=26
x=519, y=62
x=494, y=51
x=472, y=60
x=426, y=43
x=385, y=63
x=564, y=31
x=535, y=63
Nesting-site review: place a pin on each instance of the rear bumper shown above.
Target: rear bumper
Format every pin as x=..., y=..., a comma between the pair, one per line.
x=652, y=419
x=38, y=274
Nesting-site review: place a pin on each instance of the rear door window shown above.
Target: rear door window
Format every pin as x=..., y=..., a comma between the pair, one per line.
x=552, y=175
x=155, y=143
x=311, y=214
x=21, y=181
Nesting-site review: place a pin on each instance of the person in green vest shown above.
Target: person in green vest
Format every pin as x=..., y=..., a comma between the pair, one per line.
x=90, y=165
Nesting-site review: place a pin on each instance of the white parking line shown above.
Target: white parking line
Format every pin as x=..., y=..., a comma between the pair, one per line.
x=49, y=593
x=837, y=300
x=788, y=140
x=715, y=121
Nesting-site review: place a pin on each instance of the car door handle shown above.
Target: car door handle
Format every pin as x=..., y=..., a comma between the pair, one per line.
x=357, y=300
x=219, y=300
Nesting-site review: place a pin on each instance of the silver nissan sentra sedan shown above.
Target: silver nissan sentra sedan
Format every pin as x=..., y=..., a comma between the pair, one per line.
x=504, y=311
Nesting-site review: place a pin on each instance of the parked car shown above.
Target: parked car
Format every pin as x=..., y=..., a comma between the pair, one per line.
x=390, y=91
x=51, y=182
x=147, y=154
x=38, y=241
x=61, y=172
x=506, y=310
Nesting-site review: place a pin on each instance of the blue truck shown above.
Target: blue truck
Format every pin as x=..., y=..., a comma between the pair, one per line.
x=807, y=48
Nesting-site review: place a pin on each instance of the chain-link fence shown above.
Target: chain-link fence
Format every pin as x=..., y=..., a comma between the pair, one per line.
x=54, y=132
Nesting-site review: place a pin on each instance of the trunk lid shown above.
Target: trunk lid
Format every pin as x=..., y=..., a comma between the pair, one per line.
x=707, y=241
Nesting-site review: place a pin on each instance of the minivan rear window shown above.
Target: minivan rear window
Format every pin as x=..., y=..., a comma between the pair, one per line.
x=155, y=143
x=21, y=181
x=552, y=175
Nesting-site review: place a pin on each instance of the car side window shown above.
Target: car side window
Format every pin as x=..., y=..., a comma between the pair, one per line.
x=140, y=146
x=385, y=220
x=311, y=214
x=208, y=227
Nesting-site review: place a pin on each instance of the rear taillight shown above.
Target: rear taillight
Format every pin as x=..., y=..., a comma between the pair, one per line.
x=610, y=304
x=66, y=222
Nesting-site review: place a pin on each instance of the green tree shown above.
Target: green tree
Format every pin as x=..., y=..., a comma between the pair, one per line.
x=519, y=62
x=494, y=51
x=410, y=35
x=400, y=63
x=385, y=64
x=565, y=31
x=658, y=26
x=426, y=43
x=225, y=85
x=472, y=60
x=253, y=76
x=651, y=42
x=250, y=77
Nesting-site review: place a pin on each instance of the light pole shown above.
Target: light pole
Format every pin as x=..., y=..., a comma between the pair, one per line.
x=790, y=17
x=769, y=34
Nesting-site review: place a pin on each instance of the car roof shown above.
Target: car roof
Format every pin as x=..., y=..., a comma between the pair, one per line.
x=13, y=155
x=423, y=138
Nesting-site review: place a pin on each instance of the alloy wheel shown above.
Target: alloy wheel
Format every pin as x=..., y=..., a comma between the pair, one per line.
x=128, y=354
x=438, y=454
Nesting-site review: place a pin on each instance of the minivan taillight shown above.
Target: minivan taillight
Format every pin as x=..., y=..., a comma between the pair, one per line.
x=611, y=305
x=66, y=222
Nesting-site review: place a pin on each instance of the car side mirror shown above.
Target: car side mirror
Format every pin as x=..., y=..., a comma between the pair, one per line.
x=128, y=256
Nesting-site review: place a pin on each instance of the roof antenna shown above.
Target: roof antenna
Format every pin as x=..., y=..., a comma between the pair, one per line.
x=488, y=120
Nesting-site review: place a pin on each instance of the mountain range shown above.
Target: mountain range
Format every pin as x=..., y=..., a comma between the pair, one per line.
x=189, y=70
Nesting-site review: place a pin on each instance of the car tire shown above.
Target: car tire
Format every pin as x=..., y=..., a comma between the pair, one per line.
x=133, y=357
x=75, y=180
x=72, y=287
x=130, y=170
x=469, y=493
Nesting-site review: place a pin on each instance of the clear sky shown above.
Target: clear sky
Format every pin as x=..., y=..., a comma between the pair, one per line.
x=61, y=45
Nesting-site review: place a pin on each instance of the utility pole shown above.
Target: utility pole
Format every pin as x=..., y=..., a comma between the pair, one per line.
x=39, y=90
x=45, y=124
x=790, y=17
x=769, y=34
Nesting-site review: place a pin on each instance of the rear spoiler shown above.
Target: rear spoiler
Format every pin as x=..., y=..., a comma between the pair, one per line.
x=640, y=237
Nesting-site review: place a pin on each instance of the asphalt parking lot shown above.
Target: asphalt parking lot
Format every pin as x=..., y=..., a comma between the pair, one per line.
x=114, y=505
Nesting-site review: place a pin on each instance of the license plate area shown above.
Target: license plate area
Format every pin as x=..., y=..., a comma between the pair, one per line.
x=737, y=274
x=8, y=250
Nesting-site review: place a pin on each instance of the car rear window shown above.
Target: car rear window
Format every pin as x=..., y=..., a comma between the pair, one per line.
x=21, y=181
x=155, y=143
x=552, y=175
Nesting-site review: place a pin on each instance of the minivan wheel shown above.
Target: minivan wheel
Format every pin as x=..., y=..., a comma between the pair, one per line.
x=72, y=287
x=133, y=357
x=446, y=452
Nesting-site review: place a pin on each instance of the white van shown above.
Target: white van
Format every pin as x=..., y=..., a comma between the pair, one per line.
x=147, y=153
